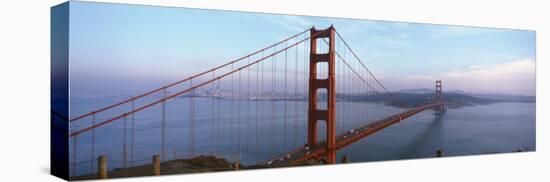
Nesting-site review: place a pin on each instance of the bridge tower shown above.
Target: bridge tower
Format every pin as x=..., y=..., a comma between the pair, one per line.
x=315, y=83
x=438, y=90
x=439, y=98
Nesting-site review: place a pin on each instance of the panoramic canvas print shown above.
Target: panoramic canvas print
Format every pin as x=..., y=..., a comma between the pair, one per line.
x=145, y=90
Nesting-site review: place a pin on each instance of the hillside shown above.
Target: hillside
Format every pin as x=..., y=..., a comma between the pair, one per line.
x=454, y=100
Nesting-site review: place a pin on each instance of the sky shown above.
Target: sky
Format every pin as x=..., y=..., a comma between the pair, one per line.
x=115, y=47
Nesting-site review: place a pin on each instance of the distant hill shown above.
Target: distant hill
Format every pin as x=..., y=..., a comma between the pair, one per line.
x=415, y=97
x=506, y=98
x=427, y=91
x=417, y=91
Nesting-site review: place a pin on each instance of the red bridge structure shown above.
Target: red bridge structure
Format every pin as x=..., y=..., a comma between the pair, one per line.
x=303, y=98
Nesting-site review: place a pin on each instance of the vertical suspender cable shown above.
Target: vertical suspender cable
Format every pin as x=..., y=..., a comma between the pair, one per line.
x=218, y=118
x=285, y=98
x=338, y=88
x=163, y=132
x=212, y=117
x=346, y=93
x=93, y=144
x=124, y=157
x=231, y=152
x=295, y=97
x=132, y=147
x=190, y=147
x=262, y=117
x=257, y=109
x=247, y=124
x=239, y=116
x=273, y=125
x=306, y=80
x=192, y=121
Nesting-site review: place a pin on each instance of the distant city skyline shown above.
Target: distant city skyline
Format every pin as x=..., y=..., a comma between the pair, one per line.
x=118, y=48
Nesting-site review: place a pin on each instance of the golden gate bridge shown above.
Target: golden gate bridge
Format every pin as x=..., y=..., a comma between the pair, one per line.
x=281, y=105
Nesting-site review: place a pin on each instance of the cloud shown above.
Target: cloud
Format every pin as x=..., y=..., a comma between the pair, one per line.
x=287, y=22
x=515, y=77
x=519, y=69
x=438, y=31
x=387, y=42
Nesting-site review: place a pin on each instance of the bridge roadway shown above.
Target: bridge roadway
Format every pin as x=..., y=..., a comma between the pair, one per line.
x=318, y=151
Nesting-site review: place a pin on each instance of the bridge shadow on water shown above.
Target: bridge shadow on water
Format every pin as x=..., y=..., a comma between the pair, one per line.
x=426, y=142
